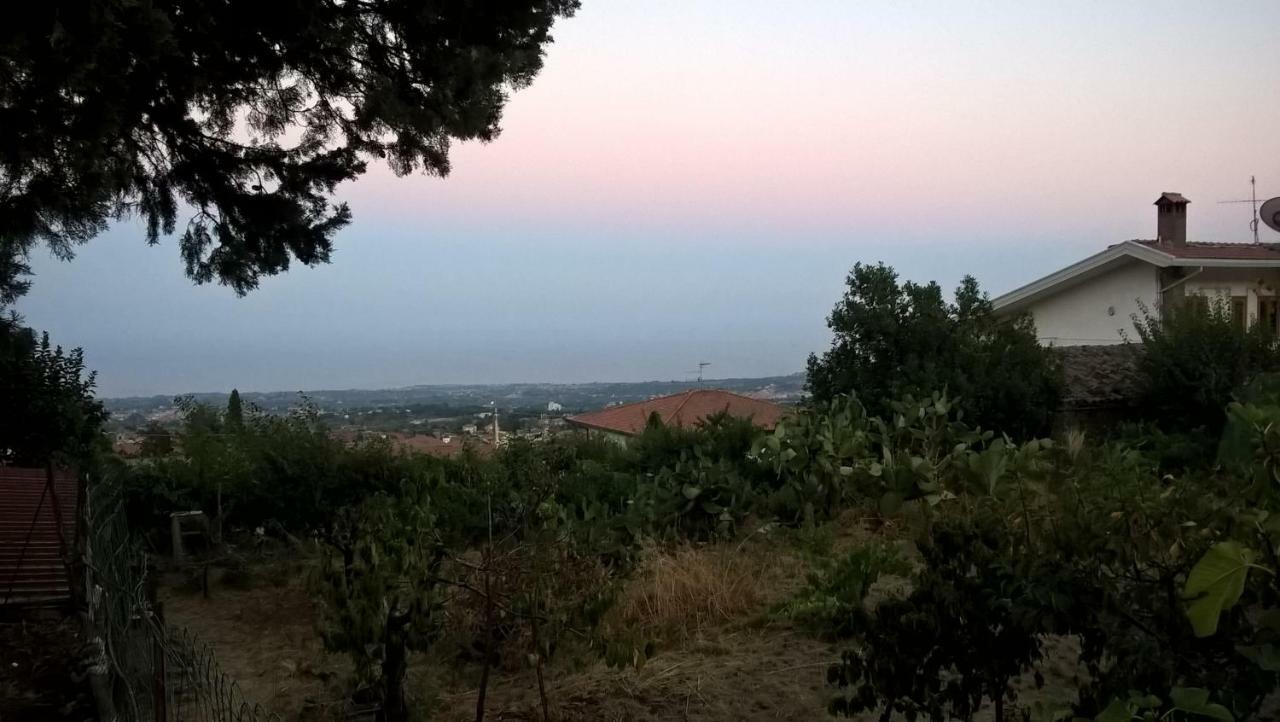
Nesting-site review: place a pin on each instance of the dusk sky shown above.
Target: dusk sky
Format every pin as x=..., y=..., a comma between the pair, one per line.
x=691, y=180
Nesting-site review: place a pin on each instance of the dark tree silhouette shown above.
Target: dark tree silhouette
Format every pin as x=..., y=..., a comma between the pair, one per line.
x=235, y=411
x=232, y=122
x=893, y=339
x=49, y=410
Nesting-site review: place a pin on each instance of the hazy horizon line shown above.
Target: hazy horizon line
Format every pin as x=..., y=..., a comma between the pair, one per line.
x=448, y=385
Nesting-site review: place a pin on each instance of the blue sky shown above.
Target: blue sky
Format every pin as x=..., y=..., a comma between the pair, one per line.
x=691, y=181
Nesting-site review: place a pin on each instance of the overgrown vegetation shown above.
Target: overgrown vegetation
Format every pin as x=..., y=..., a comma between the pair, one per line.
x=1158, y=578
x=1015, y=543
x=897, y=339
x=1195, y=357
x=50, y=413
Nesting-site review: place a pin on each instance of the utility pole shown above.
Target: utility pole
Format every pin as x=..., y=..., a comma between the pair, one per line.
x=495, y=423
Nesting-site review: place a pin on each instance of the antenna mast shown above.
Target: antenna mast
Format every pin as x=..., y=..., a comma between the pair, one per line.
x=1253, y=201
x=702, y=365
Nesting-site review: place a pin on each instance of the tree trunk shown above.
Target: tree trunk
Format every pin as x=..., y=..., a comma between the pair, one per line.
x=537, y=658
x=394, y=666
x=217, y=521
x=488, y=638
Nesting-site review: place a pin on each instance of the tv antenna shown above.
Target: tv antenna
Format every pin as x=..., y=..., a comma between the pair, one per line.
x=702, y=365
x=1252, y=200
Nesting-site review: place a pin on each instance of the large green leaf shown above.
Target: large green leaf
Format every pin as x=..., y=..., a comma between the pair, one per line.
x=1215, y=585
x=1117, y=711
x=1265, y=656
x=890, y=503
x=1194, y=700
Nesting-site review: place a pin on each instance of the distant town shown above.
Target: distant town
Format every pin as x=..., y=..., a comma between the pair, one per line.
x=439, y=419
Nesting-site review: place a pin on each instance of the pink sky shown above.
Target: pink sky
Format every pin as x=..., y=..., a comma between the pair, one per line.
x=858, y=118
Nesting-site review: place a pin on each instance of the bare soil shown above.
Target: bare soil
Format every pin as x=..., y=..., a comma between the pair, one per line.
x=266, y=640
x=749, y=667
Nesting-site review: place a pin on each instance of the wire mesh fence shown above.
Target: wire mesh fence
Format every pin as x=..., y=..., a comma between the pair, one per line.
x=147, y=670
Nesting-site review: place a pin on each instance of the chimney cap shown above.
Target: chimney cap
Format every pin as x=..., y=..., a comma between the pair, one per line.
x=1171, y=198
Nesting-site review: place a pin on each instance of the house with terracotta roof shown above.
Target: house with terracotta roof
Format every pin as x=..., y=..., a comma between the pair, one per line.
x=1094, y=301
x=446, y=445
x=685, y=409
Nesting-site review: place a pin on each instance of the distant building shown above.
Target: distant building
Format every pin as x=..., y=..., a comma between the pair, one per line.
x=470, y=428
x=127, y=446
x=682, y=410
x=443, y=446
x=553, y=406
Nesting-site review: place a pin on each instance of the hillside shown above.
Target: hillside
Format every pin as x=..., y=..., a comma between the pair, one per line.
x=573, y=397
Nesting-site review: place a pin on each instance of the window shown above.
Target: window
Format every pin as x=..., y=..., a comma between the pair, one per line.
x=1267, y=312
x=1238, y=307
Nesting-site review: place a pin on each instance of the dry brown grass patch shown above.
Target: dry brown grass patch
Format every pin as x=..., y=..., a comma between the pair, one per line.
x=683, y=591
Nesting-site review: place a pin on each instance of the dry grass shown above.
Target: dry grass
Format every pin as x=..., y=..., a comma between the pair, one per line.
x=682, y=591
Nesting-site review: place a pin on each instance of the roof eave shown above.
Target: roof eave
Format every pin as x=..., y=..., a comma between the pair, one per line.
x=1018, y=298
x=597, y=427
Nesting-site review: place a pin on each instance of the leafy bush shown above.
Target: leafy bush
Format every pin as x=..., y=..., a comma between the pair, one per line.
x=1172, y=450
x=266, y=470
x=1195, y=357
x=1257, y=408
x=970, y=625
x=897, y=339
x=379, y=590
x=50, y=413
x=814, y=457
x=833, y=602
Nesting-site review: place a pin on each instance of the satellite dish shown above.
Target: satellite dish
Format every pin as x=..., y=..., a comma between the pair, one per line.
x=1269, y=214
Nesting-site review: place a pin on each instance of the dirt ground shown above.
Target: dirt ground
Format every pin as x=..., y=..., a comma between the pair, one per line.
x=265, y=638
x=747, y=667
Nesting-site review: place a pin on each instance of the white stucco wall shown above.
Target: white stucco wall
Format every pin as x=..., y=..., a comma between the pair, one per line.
x=1099, y=309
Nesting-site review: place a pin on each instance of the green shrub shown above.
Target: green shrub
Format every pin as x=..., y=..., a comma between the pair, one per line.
x=1195, y=357
x=834, y=600
x=896, y=339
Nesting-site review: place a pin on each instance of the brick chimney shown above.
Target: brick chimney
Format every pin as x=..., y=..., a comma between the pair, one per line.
x=1171, y=219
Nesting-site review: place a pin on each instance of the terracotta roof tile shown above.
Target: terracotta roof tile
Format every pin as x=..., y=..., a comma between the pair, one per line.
x=1234, y=251
x=683, y=409
x=452, y=445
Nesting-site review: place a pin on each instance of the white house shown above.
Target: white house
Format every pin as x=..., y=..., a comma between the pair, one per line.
x=1094, y=301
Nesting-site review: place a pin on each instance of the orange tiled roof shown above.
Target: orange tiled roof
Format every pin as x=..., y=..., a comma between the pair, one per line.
x=682, y=409
x=436, y=446
x=1235, y=251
